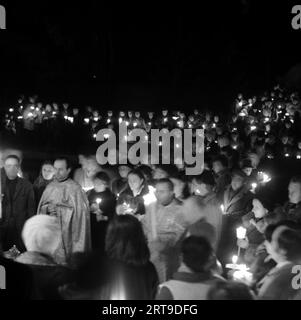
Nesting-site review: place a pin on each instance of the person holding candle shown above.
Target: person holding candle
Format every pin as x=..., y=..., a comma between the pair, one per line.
x=255, y=223
x=121, y=183
x=237, y=202
x=102, y=209
x=130, y=201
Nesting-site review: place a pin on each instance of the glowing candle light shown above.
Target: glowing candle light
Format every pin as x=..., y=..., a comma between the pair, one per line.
x=32, y=107
x=286, y=155
x=106, y=135
x=120, y=120
x=253, y=128
x=234, y=259
x=96, y=118
x=108, y=120
x=298, y=156
x=11, y=110
x=94, y=135
x=254, y=186
x=223, y=208
x=241, y=233
x=30, y=114
x=149, y=200
x=240, y=103
x=135, y=124
x=98, y=200
x=86, y=120
x=127, y=123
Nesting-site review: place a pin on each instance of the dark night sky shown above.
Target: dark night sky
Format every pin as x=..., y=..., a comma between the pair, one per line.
x=146, y=55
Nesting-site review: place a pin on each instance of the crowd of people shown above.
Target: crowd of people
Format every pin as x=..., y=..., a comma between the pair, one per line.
x=122, y=232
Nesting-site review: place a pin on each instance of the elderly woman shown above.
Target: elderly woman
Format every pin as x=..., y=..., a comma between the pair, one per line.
x=41, y=235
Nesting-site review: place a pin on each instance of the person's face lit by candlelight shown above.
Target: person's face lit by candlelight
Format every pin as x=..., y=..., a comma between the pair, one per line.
x=48, y=171
x=247, y=170
x=135, y=182
x=164, y=193
x=137, y=114
x=294, y=192
x=61, y=170
x=99, y=185
x=258, y=209
x=200, y=189
x=284, y=139
x=164, y=113
x=130, y=114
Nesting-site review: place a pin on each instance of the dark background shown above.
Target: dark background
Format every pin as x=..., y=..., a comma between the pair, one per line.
x=148, y=55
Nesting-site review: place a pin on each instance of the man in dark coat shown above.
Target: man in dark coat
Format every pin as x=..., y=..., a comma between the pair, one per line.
x=18, y=204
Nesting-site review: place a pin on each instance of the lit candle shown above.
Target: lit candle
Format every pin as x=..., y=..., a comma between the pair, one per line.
x=254, y=186
x=98, y=200
x=149, y=200
x=223, y=208
x=241, y=233
x=87, y=120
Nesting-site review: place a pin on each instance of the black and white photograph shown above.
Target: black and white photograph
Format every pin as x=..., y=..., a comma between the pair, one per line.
x=150, y=152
